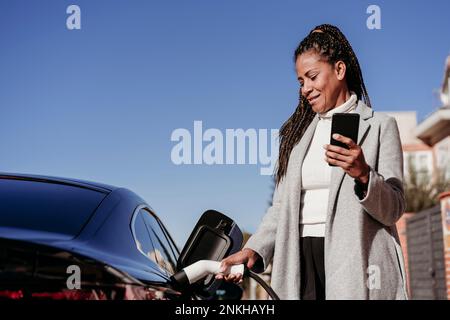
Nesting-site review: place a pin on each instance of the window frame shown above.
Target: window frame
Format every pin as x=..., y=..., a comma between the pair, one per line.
x=168, y=238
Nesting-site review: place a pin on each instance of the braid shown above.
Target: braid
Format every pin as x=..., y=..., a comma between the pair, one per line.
x=330, y=43
x=290, y=134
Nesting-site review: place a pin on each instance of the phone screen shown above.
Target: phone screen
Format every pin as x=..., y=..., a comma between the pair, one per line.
x=345, y=124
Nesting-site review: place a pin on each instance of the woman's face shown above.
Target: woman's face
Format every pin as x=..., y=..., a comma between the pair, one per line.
x=322, y=84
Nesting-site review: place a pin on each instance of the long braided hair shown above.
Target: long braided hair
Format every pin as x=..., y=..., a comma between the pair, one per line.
x=332, y=45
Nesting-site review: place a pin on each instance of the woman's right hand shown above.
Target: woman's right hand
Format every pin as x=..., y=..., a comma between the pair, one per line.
x=246, y=256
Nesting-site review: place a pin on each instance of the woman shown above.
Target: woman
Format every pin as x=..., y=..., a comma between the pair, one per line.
x=330, y=231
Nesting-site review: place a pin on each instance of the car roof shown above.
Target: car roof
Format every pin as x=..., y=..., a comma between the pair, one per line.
x=105, y=188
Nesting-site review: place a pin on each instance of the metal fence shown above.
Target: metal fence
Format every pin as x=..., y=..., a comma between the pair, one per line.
x=426, y=255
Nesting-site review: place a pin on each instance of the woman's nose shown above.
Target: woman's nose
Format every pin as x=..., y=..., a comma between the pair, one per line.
x=306, y=89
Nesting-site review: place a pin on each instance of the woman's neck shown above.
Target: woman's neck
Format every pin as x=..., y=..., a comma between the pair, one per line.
x=342, y=97
x=347, y=106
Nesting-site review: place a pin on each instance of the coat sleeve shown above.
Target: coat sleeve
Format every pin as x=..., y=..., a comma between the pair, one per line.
x=263, y=240
x=384, y=199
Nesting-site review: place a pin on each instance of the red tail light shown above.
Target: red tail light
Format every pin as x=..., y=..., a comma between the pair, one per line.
x=14, y=295
x=58, y=295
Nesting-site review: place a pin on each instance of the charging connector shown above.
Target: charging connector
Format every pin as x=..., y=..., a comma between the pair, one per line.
x=200, y=269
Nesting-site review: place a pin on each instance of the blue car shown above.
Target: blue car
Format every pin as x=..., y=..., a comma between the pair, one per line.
x=57, y=235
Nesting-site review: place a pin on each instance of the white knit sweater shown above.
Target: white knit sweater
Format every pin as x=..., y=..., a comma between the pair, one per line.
x=316, y=174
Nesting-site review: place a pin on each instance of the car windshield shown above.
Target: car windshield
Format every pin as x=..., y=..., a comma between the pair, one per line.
x=44, y=206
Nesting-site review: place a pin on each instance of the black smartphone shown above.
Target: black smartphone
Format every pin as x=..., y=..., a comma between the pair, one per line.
x=345, y=124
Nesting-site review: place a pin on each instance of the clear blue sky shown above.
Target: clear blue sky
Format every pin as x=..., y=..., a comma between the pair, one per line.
x=100, y=103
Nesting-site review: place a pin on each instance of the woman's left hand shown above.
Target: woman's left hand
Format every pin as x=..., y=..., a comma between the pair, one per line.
x=350, y=160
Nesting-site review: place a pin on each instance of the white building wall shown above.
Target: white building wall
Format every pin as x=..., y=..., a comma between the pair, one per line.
x=442, y=149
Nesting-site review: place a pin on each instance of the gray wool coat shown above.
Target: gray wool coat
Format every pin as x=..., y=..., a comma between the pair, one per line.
x=363, y=256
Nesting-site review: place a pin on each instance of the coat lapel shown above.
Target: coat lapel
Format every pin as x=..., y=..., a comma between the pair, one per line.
x=365, y=113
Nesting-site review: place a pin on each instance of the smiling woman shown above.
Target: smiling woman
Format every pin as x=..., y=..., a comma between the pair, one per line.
x=328, y=227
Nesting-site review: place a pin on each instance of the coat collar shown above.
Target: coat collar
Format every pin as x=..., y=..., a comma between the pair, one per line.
x=365, y=113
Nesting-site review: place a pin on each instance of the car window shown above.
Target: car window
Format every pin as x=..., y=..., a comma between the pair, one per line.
x=144, y=243
x=163, y=253
x=175, y=249
x=151, y=241
x=175, y=252
x=142, y=238
x=46, y=206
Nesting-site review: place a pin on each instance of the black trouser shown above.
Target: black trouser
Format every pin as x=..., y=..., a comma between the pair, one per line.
x=312, y=270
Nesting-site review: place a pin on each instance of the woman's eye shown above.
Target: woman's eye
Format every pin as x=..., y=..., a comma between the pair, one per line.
x=313, y=77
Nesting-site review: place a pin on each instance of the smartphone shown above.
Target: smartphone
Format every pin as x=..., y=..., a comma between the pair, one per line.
x=345, y=124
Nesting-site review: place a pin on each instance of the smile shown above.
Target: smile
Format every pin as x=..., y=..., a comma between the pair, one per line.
x=312, y=100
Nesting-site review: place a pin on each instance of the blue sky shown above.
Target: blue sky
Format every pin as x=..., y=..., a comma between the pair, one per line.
x=101, y=103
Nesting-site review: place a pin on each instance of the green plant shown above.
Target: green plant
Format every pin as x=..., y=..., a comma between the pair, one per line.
x=422, y=189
